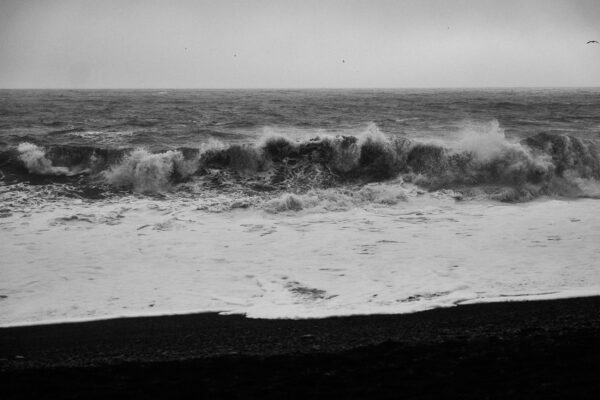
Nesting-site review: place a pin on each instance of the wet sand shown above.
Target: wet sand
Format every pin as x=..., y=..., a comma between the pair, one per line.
x=537, y=349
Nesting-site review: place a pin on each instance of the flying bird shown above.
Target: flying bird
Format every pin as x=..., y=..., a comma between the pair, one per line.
x=592, y=41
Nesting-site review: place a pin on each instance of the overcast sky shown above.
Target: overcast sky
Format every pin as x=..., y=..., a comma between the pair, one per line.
x=298, y=44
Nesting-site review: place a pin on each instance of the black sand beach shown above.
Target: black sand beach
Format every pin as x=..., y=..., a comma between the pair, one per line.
x=538, y=349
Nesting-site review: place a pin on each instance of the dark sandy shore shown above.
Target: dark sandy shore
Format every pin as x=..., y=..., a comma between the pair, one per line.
x=541, y=349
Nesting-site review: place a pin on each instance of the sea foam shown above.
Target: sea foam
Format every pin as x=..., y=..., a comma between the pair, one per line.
x=34, y=159
x=147, y=172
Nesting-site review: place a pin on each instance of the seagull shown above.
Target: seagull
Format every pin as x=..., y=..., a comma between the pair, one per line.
x=592, y=41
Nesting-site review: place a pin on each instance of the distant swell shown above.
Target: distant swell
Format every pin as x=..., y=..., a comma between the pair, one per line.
x=481, y=161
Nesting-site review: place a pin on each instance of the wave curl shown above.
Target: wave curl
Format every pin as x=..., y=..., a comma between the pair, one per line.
x=480, y=160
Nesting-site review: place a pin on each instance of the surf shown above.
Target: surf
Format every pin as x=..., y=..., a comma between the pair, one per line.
x=479, y=161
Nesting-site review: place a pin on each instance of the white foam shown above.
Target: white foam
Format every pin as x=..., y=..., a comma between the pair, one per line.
x=374, y=194
x=488, y=142
x=81, y=261
x=148, y=172
x=34, y=158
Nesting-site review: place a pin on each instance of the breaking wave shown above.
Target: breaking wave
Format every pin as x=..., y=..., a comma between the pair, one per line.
x=147, y=172
x=481, y=161
x=35, y=160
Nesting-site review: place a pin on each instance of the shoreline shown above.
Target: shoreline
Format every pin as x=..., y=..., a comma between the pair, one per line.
x=569, y=294
x=529, y=349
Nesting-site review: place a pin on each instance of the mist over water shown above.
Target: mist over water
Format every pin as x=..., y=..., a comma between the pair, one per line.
x=294, y=203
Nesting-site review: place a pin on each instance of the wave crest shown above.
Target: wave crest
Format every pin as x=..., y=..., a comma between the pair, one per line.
x=34, y=159
x=480, y=161
x=147, y=172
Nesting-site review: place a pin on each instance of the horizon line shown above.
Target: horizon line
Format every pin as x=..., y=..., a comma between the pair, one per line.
x=306, y=88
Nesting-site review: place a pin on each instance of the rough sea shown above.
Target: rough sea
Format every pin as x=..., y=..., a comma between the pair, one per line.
x=294, y=203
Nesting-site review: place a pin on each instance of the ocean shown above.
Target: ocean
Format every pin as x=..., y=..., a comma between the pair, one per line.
x=294, y=203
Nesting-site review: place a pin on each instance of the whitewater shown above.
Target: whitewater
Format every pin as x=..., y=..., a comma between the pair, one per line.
x=294, y=204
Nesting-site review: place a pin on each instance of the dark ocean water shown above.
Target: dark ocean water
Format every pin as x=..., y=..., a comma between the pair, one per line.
x=173, y=118
x=530, y=142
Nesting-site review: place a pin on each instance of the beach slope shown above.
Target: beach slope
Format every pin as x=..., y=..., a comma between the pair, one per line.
x=535, y=349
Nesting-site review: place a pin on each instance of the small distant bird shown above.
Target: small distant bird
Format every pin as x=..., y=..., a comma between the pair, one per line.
x=343, y=61
x=592, y=41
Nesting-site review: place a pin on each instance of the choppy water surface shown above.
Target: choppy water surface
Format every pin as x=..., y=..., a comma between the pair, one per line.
x=294, y=203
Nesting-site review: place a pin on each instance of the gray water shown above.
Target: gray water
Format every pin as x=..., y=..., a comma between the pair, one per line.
x=164, y=119
x=293, y=204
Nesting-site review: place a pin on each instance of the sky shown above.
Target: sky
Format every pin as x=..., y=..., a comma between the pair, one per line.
x=298, y=44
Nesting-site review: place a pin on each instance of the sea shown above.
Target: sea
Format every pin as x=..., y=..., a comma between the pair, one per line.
x=294, y=203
